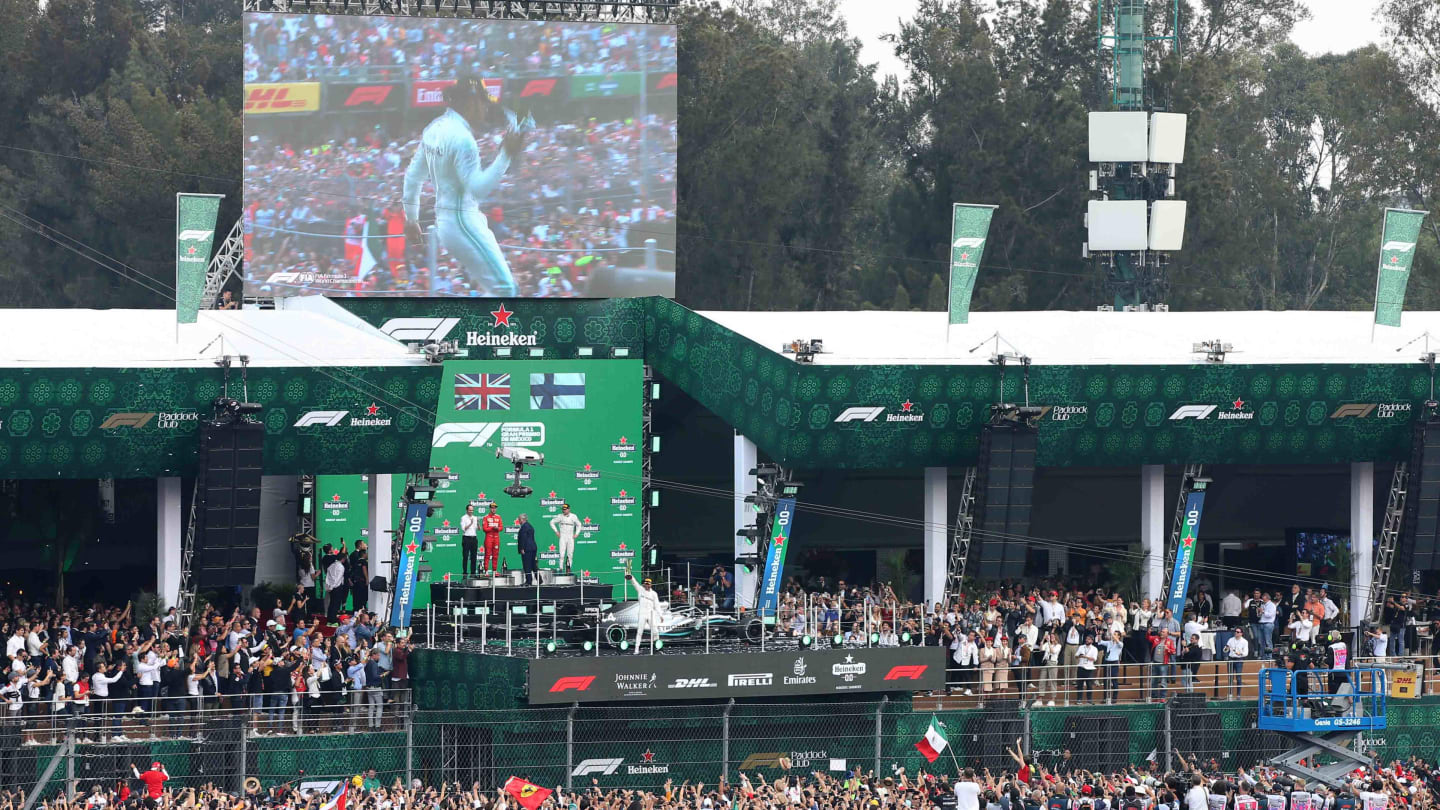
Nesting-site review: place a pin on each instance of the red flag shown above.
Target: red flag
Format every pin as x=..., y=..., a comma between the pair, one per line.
x=528, y=794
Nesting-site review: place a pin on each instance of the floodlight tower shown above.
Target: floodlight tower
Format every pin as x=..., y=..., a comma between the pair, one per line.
x=1132, y=220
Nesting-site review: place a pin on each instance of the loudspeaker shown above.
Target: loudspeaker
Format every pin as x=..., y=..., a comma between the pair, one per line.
x=1099, y=743
x=1004, y=492
x=1422, y=504
x=1196, y=734
x=987, y=735
x=227, y=514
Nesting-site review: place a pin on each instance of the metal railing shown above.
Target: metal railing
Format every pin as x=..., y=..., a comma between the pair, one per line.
x=185, y=717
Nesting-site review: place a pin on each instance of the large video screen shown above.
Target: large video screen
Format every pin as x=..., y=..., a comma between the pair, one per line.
x=497, y=158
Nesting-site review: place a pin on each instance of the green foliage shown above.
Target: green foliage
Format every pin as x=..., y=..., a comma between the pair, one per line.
x=808, y=182
x=133, y=86
x=1289, y=162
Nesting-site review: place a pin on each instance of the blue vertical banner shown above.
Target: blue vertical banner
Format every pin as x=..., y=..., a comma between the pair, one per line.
x=404, y=600
x=769, y=602
x=1185, y=554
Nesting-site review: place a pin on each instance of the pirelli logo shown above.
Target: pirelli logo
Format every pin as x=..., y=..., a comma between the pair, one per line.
x=130, y=420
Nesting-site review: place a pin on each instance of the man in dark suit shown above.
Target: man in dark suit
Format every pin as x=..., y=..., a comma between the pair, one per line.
x=526, y=541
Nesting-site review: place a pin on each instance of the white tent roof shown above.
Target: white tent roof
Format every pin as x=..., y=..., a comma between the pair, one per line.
x=147, y=338
x=1090, y=338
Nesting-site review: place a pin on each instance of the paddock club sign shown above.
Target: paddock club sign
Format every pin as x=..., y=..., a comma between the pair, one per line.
x=619, y=678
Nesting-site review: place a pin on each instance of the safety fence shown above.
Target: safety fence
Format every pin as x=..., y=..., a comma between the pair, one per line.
x=642, y=745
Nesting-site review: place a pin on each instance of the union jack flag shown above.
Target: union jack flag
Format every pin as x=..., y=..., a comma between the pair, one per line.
x=482, y=392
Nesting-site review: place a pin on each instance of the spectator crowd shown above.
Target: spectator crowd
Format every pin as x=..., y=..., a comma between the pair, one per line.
x=574, y=201
x=285, y=668
x=288, y=48
x=1059, y=784
x=1051, y=640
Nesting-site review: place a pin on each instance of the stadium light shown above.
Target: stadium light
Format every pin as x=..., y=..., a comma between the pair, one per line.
x=550, y=646
x=838, y=640
x=805, y=640
x=874, y=638
x=905, y=636
x=588, y=645
x=659, y=644
x=624, y=645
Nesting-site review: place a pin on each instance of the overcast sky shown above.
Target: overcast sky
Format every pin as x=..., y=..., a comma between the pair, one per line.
x=1336, y=26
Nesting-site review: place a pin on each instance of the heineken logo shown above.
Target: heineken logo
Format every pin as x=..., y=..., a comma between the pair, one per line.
x=588, y=526
x=552, y=500
x=622, y=552
x=622, y=447
x=586, y=473
x=623, y=500
x=502, y=318
x=335, y=504
x=1237, y=411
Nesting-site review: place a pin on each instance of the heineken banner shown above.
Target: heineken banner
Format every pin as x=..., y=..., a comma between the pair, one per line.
x=1185, y=554
x=405, y=589
x=584, y=417
x=769, y=601
x=969, y=227
x=194, y=233
x=342, y=513
x=1397, y=253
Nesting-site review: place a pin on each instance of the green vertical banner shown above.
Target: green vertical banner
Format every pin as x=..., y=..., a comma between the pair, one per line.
x=195, y=216
x=969, y=228
x=342, y=509
x=1397, y=252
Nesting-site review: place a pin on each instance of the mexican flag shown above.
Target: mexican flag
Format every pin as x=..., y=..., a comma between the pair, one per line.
x=934, y=742
x=338, y=802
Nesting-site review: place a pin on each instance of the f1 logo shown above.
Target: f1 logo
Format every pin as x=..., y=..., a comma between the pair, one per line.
x=424, y=330
x=322, y=418
x=906, y=672
x=374, y=94
x=194, y=233
x=133, y=420
x=572, y=683
x=538, y=87
x=1402, y=247
x=861, y=414
x=770, y=759
x=1192, y=412
x=969, y=241
x=1356, y=409
x=603, y=767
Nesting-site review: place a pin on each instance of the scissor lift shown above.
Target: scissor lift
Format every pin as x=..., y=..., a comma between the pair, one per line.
x=1321, y=722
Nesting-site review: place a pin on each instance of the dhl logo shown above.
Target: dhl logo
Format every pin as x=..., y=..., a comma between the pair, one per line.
x=280, y=98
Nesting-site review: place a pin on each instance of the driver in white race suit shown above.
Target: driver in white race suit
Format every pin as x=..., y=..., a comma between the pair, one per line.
x=566, y=527
x=649, y=612
x=449, y=158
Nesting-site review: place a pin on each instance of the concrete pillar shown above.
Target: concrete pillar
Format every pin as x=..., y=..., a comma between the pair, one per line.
x=381, y=516
x=169, y=539
x=1362, y=538
x=746, y=456
x=1152, y=531
x=937, y=534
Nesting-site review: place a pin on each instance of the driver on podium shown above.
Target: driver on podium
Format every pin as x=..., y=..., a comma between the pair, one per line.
x=649, y=611
x=492, y=525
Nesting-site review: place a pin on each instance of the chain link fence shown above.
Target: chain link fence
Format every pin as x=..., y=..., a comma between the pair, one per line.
x=642, y=745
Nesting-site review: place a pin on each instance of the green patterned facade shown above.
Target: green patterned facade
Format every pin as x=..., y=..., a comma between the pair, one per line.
x=52, y=421
x=143, y=423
